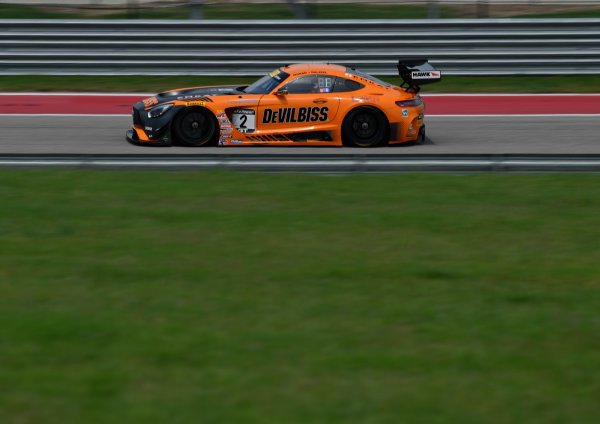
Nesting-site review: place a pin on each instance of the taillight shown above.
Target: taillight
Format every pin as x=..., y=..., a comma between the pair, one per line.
x=409, y=103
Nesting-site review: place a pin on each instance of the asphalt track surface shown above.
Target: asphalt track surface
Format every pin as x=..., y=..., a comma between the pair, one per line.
x=485, y=125
x=91, y=134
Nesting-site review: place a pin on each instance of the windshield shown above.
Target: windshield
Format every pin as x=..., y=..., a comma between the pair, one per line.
x=367, y=76
x=267, y=83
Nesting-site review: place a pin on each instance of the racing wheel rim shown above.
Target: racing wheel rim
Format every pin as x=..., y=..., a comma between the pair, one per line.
x=194, y=126
x=364, y=125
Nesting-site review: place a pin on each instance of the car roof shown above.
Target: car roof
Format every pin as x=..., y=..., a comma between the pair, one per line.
x=304, y=68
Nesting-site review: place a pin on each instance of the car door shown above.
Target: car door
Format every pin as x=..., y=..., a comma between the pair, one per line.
x=304, y=104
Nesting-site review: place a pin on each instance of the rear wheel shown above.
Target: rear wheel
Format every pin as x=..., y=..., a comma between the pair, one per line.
x=195, y=127
x=365, y=127
x=421, y=138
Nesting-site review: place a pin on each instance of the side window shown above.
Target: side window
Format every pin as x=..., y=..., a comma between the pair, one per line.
x=344, y=85
x=311, y=84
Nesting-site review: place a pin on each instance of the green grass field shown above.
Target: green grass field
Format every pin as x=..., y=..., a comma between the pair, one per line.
x=154, y=84
x=223, y=297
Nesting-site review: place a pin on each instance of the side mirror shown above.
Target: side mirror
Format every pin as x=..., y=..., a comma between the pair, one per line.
x=281, y=92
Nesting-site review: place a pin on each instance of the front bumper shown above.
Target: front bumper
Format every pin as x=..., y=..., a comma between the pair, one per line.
x=133, y=137
x=150, y=131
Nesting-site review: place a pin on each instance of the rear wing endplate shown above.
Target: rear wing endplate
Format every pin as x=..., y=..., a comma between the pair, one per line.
x=417, y=72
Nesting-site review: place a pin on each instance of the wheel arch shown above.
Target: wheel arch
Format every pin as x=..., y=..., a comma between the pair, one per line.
x=184, y=109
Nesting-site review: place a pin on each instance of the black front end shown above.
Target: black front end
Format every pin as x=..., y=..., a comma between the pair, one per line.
x=153, y=117
x=150, y=129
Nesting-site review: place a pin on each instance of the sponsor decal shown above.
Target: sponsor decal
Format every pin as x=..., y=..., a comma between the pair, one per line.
x=223, y=142
x=234, y=141
x=165, y=138
x=244, y=120
x=274, y=73
x=148, y=128
x=244, y=101
x=195, y=104
x=292, y=114
x=356, y=77
x=224, y=125
x=365, y=99
x=425, y=74
x=150, y=101
x=194, y=96
x=405, y=113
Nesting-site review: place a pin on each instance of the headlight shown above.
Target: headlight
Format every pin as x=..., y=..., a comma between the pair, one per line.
x=157, y=111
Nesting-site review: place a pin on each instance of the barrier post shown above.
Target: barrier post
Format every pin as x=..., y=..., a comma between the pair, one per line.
x=483, y=9
x=196, y=9
x=433, y=9
x=132, y=9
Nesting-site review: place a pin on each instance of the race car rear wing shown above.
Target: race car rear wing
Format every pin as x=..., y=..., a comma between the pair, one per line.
x=417, y=72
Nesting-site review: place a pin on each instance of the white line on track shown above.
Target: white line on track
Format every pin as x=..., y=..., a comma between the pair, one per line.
x=71, y=115
x=539, y=115
x=424, y=94
x=510, y=94
x=554, y=115
x=75, y=94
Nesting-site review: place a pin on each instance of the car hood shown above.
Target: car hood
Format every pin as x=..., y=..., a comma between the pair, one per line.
x=195, y=93
x=191, y=93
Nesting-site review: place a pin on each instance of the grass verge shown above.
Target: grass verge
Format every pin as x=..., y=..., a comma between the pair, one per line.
x=163, y=297
x=317, y=11
x=152, y=84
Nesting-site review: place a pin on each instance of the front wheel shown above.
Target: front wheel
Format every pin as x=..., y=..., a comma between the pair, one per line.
x=365, y=127
x=195, y=127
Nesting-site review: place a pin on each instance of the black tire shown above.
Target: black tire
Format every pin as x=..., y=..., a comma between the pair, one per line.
x=195, y=127
x=365, y=127
x=421, y=138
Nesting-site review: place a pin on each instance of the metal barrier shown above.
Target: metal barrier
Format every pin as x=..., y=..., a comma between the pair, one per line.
x=311, y=163
x=249, y=48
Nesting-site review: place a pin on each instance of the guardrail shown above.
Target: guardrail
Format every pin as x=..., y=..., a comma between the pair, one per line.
x=322, y=163
x=249, y=48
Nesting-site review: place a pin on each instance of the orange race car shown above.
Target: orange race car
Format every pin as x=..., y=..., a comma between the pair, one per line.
x=301, y=104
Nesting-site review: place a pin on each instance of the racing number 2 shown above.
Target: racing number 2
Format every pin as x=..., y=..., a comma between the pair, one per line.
x=244, y=120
